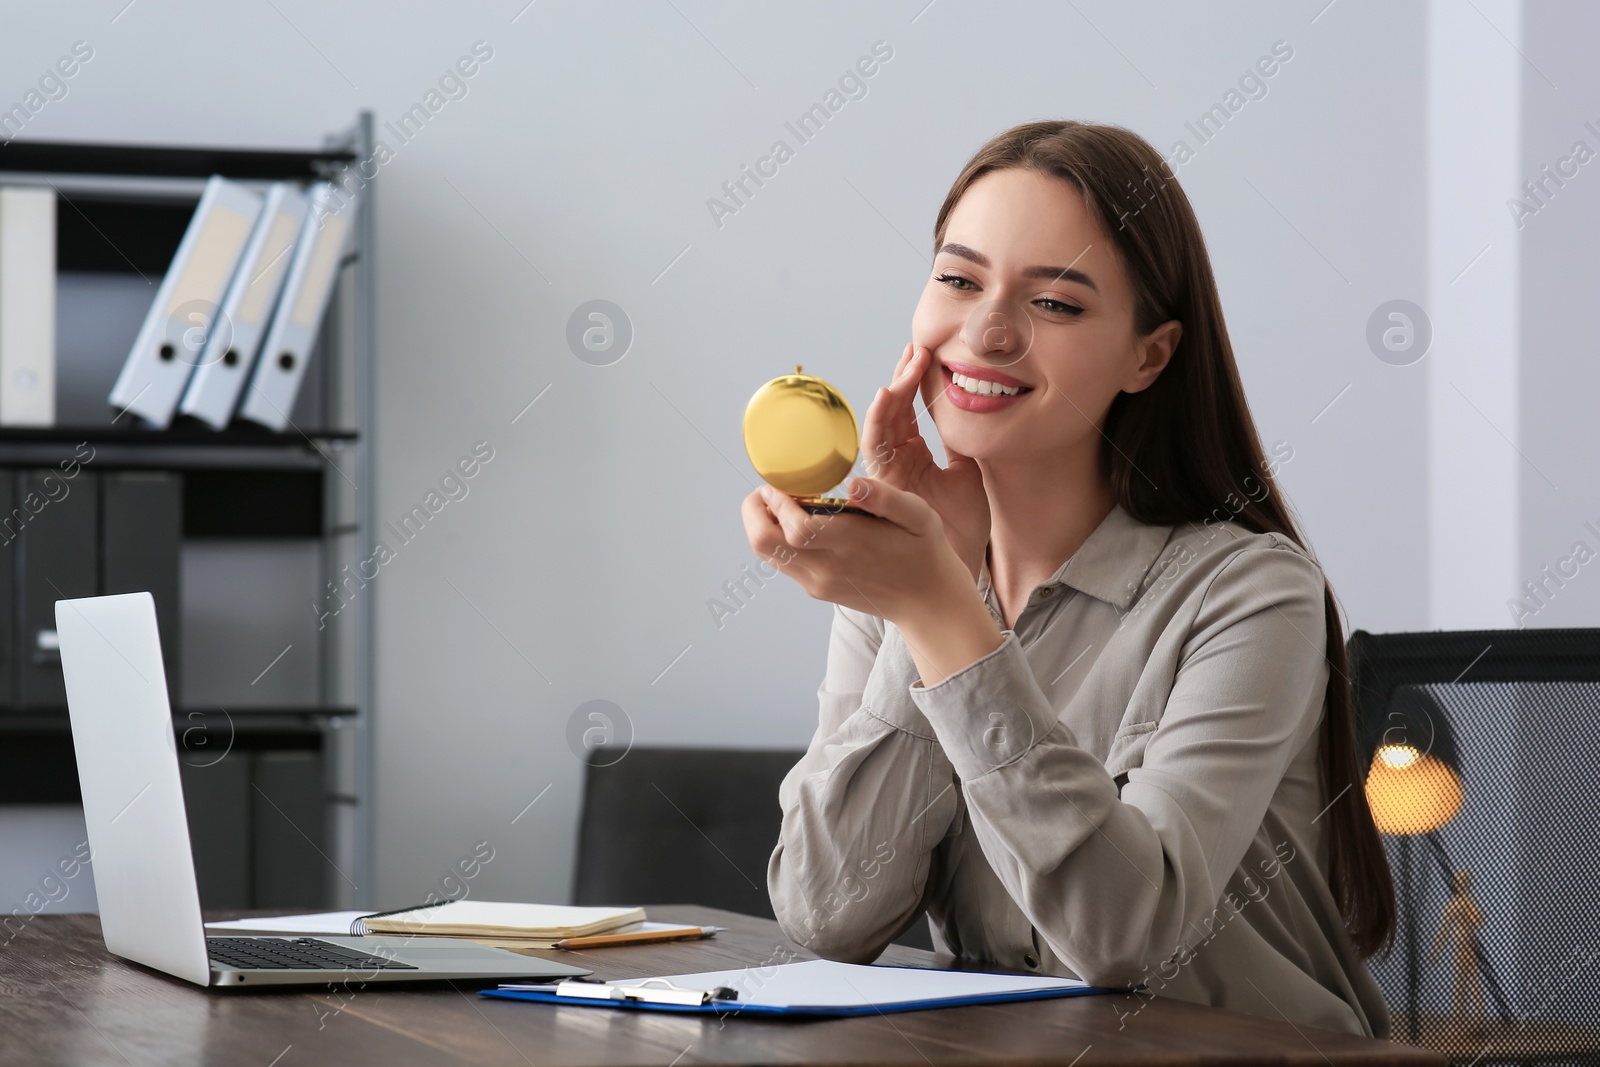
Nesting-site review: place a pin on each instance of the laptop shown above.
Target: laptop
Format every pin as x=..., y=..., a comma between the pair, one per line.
x=139, y=834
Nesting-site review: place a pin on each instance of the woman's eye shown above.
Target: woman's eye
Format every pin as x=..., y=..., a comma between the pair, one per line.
x=1057, y=307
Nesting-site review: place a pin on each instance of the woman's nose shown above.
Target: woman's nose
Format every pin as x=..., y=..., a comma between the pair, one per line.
x=999, y=332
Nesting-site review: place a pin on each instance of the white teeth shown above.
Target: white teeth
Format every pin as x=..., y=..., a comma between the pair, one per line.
x=980, y=387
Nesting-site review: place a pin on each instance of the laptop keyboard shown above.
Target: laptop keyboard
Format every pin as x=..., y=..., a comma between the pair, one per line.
x=293, y=954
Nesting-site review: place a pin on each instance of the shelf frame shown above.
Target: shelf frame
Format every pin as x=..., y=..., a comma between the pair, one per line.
x=177, y=174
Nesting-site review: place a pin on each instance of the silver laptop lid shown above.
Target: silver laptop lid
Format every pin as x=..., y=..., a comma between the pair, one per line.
x=132, y=795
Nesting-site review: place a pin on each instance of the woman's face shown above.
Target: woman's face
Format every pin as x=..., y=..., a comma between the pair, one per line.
x=1029, y=303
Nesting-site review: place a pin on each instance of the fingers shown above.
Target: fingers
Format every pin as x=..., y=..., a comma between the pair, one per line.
x=899, y=506
x=892, y=416
x=905, y=357
x=901, y=413
x=779, y=529
x=801, y=531
x=763, y=531
x=874, y=429
x=877, y=413
x=908, y=372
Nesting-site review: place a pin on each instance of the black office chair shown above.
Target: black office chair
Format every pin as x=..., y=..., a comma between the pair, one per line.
x=1482, y=755
x=686, y=826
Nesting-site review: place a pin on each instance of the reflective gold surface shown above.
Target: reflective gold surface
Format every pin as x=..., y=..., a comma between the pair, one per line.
x=801, y=435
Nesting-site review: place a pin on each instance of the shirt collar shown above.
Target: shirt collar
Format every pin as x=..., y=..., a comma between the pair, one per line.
x=1111, y=563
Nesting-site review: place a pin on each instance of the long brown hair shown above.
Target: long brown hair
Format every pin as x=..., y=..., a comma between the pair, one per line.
x=1190, y=433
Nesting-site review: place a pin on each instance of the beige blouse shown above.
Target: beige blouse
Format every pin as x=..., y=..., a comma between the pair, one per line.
x=1125, y=791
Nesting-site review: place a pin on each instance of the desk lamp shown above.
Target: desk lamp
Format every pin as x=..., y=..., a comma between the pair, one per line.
x=1414, y=788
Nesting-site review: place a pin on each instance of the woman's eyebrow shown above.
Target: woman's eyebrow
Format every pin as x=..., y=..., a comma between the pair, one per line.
x=1054, y=273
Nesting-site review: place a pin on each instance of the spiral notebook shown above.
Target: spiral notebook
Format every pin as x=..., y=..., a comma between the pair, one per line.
x=497, y=919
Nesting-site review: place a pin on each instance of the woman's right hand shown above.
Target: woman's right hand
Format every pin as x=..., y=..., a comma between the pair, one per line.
x=893, y=449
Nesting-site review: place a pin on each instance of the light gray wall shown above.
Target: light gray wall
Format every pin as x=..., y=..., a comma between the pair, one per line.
x=578, y=167
x=1559, y=376
x=1474, y=123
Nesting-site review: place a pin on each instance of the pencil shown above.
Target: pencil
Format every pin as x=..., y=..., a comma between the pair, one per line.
x=681, y=933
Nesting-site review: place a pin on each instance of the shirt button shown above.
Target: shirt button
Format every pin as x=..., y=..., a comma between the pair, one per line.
x=1030, y=961
x=1047, y=590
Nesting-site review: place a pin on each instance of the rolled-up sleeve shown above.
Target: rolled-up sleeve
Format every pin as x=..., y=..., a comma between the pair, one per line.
x=865, y=807
x=1113, y=882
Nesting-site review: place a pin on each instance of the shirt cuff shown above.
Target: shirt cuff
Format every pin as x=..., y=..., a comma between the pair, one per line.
x=885, y=695
x=990, y=713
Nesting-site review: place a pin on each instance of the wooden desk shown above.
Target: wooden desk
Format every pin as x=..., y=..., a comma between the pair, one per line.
x=63, y=1000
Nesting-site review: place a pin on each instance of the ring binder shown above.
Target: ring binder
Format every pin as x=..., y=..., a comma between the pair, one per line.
x=185, y=307
x=229, y=356
x=291, y=337
x=27, y=306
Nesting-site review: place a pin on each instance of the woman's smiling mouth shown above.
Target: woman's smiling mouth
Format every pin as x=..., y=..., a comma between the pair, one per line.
x=980, y=390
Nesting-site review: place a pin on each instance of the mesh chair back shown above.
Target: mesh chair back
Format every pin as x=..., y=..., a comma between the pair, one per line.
x=1497, y=952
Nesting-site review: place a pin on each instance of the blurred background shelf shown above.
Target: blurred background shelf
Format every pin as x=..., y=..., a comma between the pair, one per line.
x=243, y=536
x=180, y=433
x=168, y=161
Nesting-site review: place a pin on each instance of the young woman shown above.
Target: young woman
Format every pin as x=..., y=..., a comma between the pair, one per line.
x=1086, y=697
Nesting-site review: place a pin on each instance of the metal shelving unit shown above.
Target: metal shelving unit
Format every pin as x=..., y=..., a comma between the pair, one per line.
x=144, y=194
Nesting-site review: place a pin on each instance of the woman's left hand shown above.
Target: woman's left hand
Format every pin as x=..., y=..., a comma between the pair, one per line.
x=895, y=563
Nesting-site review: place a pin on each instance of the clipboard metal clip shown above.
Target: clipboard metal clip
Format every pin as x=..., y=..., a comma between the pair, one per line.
x=651, y=990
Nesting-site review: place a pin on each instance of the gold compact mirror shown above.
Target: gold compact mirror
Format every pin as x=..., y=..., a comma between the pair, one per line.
x=801, y=437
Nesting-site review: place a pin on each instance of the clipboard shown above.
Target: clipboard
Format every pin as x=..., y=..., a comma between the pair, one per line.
x=813, y=989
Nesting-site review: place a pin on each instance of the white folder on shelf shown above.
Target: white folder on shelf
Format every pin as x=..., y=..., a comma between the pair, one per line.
x=27, y=306
x=224, y=365
x=313, y=270
x=175, y=331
